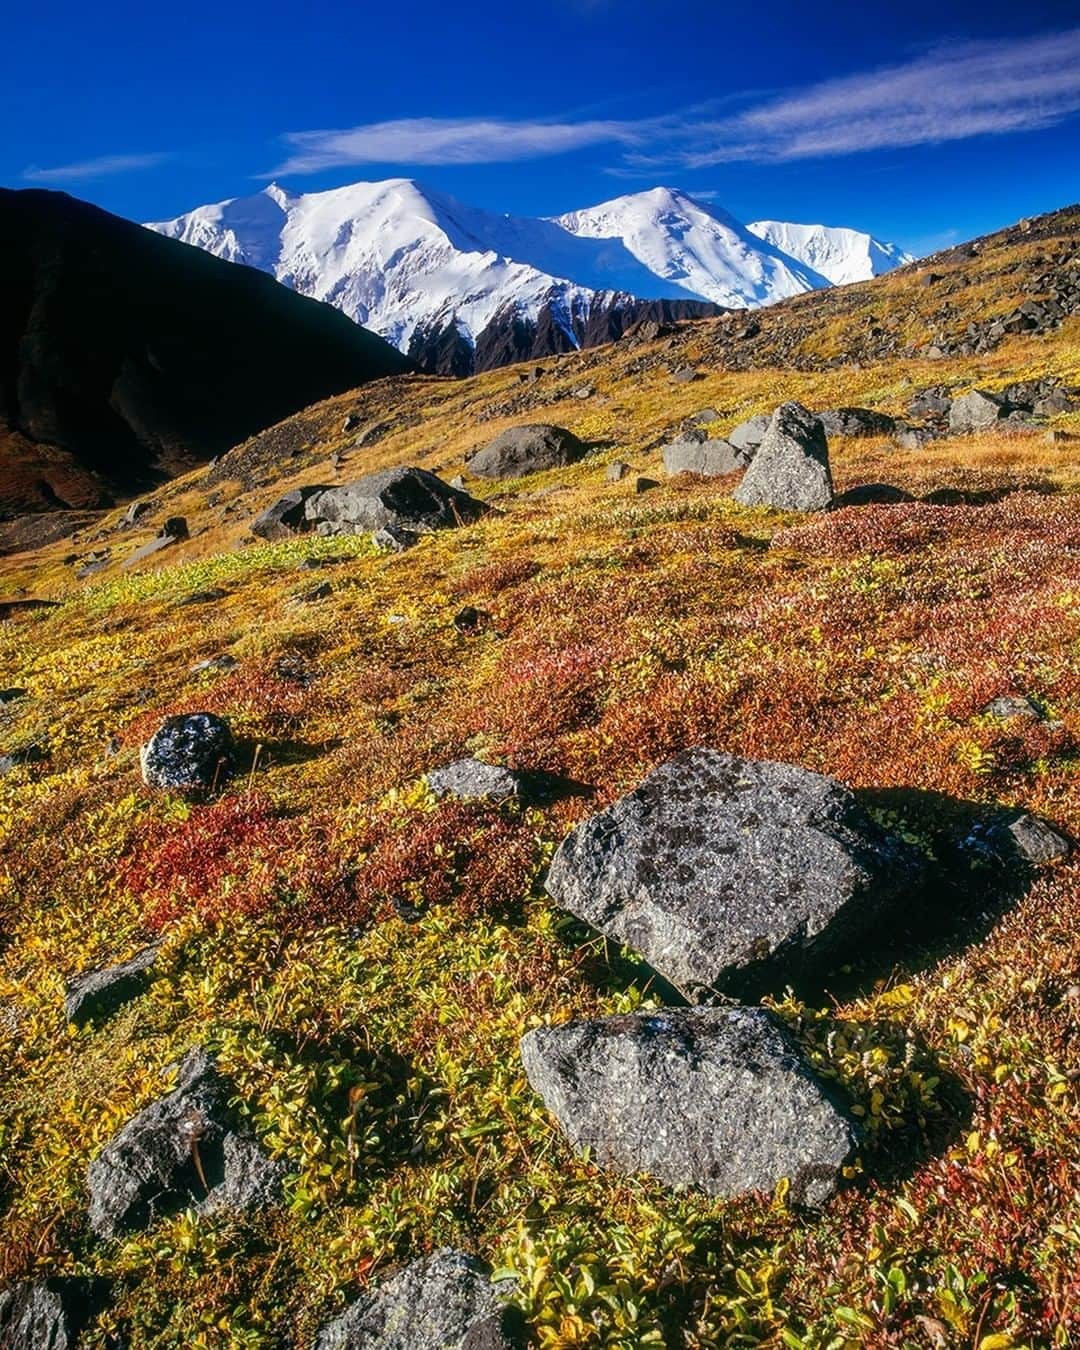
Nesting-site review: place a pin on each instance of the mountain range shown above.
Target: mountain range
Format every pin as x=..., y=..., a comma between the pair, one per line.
x=461, y=289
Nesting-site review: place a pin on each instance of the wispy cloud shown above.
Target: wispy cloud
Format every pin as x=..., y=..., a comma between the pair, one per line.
x=953, y=92
x=101, y=167
x=439, y=140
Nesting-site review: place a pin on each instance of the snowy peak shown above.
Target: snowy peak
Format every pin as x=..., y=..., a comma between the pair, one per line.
x=838, y=254
x=701, y=248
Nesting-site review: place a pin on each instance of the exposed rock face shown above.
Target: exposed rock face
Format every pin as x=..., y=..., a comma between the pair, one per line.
x=853, y=422
x=190, y=752
x=286, y=517
x=93, y=996
x=976, y=411
x=529, y=449
x=443, y=1302
x=711, y=458
x=398, y=499
x=48, y=1314
x=717, y=1098
x=132, y=357
x=732, y=874
x=176, y=1152
x=790, y=470
x=472, y=780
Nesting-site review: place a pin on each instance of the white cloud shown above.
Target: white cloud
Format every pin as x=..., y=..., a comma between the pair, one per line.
x=101, y=167
x=436, y=140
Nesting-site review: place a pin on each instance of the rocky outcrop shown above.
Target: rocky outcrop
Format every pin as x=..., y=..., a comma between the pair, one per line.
x=733, y=874
x=177, y=1152
x=716, y=1098
x=95, y=995
x=790, y=470
x=189, y=752
x=443, y=1302
x=49, y=1314
x=529, y=449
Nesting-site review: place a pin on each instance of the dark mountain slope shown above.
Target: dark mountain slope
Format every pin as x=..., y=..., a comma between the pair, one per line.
x=126, y=358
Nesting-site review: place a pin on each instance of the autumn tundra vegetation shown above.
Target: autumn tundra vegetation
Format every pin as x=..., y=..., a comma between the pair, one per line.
x=343, y=957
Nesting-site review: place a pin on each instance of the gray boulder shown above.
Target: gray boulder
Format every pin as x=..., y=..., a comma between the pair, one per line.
x=473, y=780
x=401, y=498
x=790, y=470
x=711, y=458
x=190, y=752
x=733, y=874
x=852, y=422
x=445, y=1301
x=715, y=1098
x=748, y=435
x=49, y=1314
x=286, y=517
x=976, y=411
x=177, y=1152
x=97, y=994
x=522, y=450
x=616, y=471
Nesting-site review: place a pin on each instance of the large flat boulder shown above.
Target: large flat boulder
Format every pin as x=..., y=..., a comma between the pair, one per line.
x=518, y=451
x=715, y=1098
x=181, y=1150
x=733, y=874
x=403, y=498
x=710, y=458
x=790, y=470
x=445, y=1301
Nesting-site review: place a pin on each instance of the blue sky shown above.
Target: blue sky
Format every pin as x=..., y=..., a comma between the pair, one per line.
x=922, y=122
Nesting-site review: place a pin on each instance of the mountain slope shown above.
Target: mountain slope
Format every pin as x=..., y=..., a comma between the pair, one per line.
x=838, y=254
x=701, y=249
x=125, y=358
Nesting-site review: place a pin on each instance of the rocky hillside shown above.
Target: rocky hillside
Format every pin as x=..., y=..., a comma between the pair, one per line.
x=127, y=358
x=581, y=856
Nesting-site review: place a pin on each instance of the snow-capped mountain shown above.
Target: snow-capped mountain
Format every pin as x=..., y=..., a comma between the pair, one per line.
x=700, y=248
x=840, y=255
x=460, y=288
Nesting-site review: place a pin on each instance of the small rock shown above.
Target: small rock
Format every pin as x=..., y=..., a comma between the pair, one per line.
x=207, y=597
x=445, y=1301
x=179, y=1151
x=470, y=619
x=134, y=513
x=790, y=470
x=49, y=1314
x=1018, y=838
x=528, y=449
x=222, y=662
x=686, y=375
x=1056, y=402
x=11, y=696
x=976, y=411
x=853, y=422
x=583, y=391
x=192, y=751
x=394, y=539
x=733, y=874
x=1007, y=706
x=97, y=994
x=175, y=527
x=457, y=483
x=312, y=595
x=645, y=485
x=616, y=472
x=473, y=780
x=913, y=438
x=716, y=1098
x=350, y=424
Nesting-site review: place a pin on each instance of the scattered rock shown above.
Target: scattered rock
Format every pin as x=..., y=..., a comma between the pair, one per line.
x=222, y=662
x=583, y=391
x=393, y=539
x=35, y=752
x=716, y=1098
x=529, y=449
x=748, y=435
x=457, y=483
x=909, y=437
x=790, y=470
x=179, y=1151
x=135, y=512
x=472, y=780
x=192, y=751
x=286, y=517
x=147, y=550
x=617, y=471
x=733, y=874
x=350, y=424
x=312, y=595
x=645, y=485
x=470, y=619
x=97, y=994
x=1018, y=838
x=685, y=375
x=704, y=417
x=445, y=1301
x=1007, y=706
x=852, y=422
x=176, y=527
x=1056, y=402
x=207, y=597
x=11, y=696
x=976, y=411
x=402, y=498
x=49, y=1314
x=711, y=458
